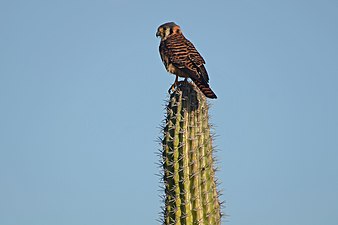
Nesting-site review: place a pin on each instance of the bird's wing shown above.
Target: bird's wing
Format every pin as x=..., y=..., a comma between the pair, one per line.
x=183, y=54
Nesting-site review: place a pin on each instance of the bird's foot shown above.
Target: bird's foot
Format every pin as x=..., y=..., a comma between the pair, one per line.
x=176, y=83
x=172, y=87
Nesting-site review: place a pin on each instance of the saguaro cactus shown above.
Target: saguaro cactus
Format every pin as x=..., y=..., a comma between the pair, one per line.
x=191, y=197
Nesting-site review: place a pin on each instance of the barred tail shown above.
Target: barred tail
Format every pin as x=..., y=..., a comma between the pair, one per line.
x=206, y=90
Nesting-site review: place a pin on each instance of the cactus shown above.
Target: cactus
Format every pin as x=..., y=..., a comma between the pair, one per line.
x=191, y=197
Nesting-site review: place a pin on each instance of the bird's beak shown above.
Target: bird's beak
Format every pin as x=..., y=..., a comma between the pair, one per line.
x=158, y=34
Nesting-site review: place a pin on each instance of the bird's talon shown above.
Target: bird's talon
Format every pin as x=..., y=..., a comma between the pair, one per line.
x=171, y=89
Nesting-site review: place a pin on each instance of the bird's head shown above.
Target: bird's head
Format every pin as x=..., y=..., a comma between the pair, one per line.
x=168, y=29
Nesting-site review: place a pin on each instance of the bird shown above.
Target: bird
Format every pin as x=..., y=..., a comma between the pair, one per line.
x=181, y=58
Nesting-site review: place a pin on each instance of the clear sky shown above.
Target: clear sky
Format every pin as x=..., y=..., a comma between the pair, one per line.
x=82, y=94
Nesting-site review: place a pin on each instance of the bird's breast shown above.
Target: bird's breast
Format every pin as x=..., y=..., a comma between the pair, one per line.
x=174, y=70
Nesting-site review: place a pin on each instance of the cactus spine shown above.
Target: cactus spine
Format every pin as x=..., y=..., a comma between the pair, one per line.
x=191, y=197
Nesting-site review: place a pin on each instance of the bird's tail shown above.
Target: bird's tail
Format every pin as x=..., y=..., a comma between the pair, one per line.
x=206, y=90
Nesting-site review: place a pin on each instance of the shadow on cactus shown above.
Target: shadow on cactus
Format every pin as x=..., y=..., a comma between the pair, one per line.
x=190, y=189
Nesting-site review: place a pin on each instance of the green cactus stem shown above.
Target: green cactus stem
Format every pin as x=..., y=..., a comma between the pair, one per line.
x=191, y=197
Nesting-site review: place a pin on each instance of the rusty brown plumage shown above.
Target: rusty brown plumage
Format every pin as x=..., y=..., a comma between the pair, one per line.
x=181, y=58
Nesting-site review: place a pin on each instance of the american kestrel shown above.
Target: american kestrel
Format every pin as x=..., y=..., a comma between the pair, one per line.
x=181, y=58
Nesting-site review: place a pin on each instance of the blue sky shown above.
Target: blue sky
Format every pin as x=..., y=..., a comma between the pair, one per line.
x=82, y=94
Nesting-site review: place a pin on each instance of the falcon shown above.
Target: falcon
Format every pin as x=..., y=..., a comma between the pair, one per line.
x=181, y=58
